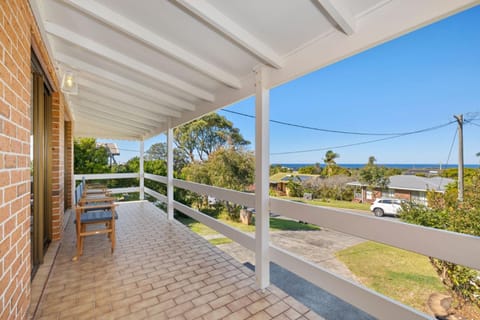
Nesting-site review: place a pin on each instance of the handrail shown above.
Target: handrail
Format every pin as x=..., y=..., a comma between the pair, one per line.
x=155, y=177
x=426, y=241
x=242, y=198
x=105, y=176
x=155, y=194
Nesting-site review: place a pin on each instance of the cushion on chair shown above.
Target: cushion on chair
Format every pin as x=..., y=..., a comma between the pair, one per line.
x=96, y=216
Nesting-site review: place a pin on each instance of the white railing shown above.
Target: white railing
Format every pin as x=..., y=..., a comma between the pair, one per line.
x=458, y=248
x=111, y=176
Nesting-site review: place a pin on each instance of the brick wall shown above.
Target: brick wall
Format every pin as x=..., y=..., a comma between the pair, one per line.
x=58, y=189
x=69, y=200
x=18, y=33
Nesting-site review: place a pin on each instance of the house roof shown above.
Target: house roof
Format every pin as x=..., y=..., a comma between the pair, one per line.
x=144, y=66
x=287, y=176
x=112, y=148
x=414, y=183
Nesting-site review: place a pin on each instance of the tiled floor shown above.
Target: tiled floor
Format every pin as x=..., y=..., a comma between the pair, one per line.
x=160, y=270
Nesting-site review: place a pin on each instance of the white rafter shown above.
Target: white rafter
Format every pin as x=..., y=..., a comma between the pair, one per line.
x=126, y=61
x=108, y=114
x=108, y=102
x=151, y=39
x=108, y=124
x=115, y=110
x=125, y=82
x=93, y=132
x=127, y=98
x=209, y=14
x=339, y=15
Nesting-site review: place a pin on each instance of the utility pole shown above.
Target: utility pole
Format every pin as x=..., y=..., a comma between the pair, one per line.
x=460, y=156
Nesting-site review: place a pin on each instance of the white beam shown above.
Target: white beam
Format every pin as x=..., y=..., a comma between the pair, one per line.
x=105, y=135
x=142, y=172
x=209, y=14
x=108, y=102
x=107, y=124
x=153, y=40
x=126, y=61
x=262, y=170
x=339, y=15
x=120, y=117
x=115, y=111
x=148, y=92
x=118, y=95
x=170, y=202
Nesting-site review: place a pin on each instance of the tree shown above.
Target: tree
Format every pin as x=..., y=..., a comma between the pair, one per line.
x=88, y=158
x=374, y=176
x=158, y=151
x=225, y=168
x=315, y=169
x=202, y=137
x=330, y=163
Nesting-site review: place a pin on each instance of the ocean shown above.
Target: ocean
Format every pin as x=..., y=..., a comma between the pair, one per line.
x=296, y=166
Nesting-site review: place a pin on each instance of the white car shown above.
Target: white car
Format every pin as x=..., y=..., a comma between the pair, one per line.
x=383, y=206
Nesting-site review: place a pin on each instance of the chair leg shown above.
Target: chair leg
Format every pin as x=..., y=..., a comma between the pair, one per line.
x=79, y=237
x=112, y=234
x=82, y=238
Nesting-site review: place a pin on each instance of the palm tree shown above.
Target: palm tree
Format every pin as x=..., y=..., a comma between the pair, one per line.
x=329, y=160
x=371, y=161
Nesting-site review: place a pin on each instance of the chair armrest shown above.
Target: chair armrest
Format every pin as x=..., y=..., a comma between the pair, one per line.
x=93, y=200
x=111, y=206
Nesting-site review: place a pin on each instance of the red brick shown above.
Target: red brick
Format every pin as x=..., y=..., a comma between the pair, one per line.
x=10, y=161
x=4, y=143
x=4, y=108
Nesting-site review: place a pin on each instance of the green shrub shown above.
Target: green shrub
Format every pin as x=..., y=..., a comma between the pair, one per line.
x=463, y=217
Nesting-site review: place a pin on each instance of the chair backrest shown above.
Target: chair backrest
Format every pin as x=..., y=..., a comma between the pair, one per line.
x=79, y=192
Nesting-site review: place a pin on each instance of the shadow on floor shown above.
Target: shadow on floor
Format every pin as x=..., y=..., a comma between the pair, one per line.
x=323, y=303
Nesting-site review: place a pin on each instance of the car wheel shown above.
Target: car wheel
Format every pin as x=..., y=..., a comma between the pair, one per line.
x=378, y=212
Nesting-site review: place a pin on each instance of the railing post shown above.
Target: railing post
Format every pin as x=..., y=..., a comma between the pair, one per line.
x=170, y=171
x=142, y=173
x=262, y=171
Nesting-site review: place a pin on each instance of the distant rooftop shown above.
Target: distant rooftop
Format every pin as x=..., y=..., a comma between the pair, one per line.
x=112, y=148
x=415, y=183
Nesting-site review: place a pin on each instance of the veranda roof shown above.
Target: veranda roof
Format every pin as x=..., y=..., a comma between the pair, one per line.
x=144, y=65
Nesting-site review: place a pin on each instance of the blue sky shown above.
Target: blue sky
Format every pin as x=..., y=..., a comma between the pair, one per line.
x=414, y=82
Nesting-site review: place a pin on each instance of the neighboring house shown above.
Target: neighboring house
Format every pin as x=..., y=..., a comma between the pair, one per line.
x=279, y=181
x=407, y=187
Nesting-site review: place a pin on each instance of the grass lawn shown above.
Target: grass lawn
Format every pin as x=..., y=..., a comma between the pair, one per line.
x=276, y=224
x=402, y=275
x=218, y=241
x=332, y=203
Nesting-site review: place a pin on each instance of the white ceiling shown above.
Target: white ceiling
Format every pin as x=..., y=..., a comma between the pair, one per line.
x=142, y=64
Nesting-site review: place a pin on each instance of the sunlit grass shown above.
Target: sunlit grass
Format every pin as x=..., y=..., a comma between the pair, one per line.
x=402, y=275
x=332, y=203
x=218, y=241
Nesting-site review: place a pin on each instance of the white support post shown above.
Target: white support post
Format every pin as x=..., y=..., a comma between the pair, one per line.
x=170, y=171
x=142, y=173
x=262, y=170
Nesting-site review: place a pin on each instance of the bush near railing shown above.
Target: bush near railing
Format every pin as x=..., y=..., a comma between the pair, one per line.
x=448, y=214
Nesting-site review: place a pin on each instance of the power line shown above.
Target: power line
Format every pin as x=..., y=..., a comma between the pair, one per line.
x=474, y=123
x=368, y=141
x=312, y=128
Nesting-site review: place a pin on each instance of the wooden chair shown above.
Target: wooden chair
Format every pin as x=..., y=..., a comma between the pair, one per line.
x=98, y=211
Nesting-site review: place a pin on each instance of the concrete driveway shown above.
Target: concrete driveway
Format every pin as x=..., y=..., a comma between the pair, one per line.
x=317, y=246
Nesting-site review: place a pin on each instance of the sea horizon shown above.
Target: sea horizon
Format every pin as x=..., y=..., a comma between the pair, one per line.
x=296, y=166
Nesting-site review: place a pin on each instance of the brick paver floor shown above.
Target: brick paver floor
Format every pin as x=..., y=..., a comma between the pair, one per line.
x=160, y=270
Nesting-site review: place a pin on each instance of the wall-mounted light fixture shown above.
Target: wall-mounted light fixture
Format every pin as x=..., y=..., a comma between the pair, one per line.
x=69, y=83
